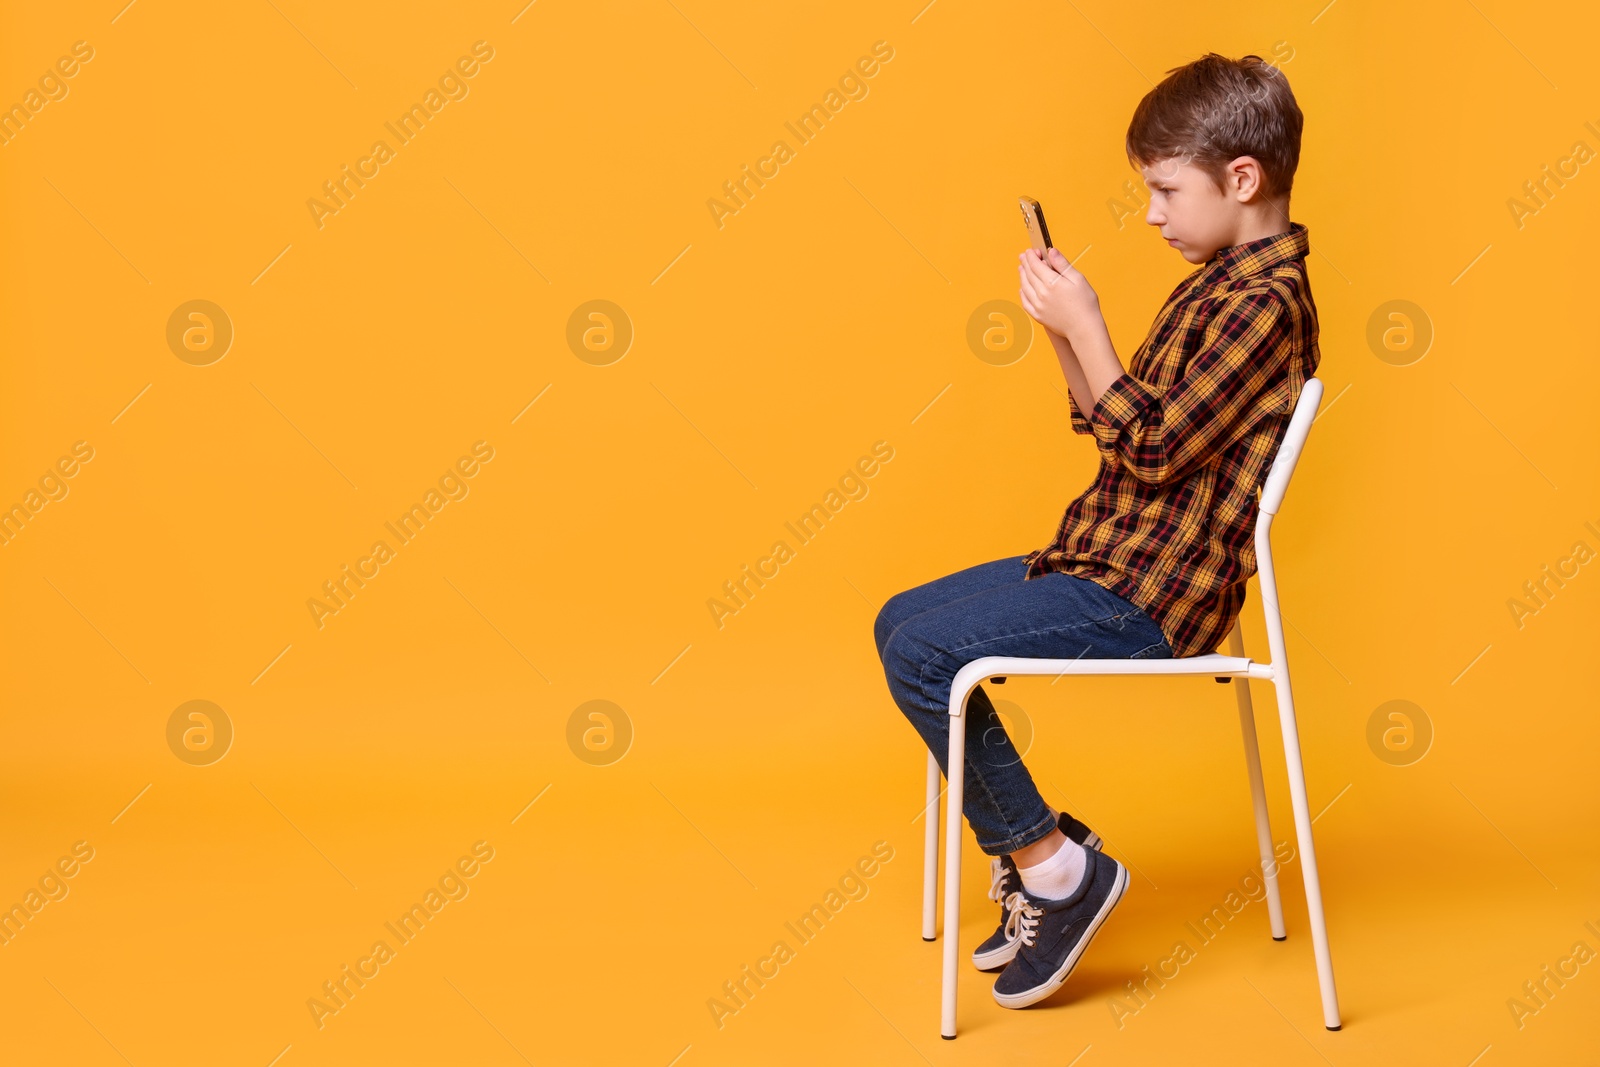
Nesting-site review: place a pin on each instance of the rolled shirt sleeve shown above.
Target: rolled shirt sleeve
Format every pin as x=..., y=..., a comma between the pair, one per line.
x=1160, y=438
x=1080, y=424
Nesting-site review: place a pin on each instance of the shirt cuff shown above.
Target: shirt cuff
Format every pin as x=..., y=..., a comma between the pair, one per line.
x=1080, y=424
x=1125, y=401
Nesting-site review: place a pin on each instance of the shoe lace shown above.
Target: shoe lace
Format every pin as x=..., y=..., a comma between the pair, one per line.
x=998, y=876
x=1022, y=918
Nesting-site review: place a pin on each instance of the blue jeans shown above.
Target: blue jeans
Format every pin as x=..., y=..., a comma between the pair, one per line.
x=926, y=634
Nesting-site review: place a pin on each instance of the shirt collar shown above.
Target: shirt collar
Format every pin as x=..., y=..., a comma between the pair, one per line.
x=1237, y=261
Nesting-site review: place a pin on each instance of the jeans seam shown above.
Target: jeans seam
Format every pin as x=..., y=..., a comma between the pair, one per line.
x=974, y=775
x=973, y=772
x=979, y=785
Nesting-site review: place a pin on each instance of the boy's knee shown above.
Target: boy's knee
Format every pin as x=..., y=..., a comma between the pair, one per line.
x=901, y=646
x=884, y=626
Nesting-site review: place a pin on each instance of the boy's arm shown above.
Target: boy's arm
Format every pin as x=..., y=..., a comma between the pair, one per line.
x=1160, y=438
x=1061, y=300
x=1077, y=383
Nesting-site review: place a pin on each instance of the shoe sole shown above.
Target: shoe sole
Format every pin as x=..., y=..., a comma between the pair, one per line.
x=1057, y=980
x=994, y=959
x=997, y=958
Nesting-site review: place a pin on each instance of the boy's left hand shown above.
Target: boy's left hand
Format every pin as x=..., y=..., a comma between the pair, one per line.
x=1057, y=295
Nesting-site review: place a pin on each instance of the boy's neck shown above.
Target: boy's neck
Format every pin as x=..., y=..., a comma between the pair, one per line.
x=1257, y=221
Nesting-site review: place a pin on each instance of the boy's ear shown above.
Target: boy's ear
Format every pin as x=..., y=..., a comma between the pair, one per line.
x=1244, y=178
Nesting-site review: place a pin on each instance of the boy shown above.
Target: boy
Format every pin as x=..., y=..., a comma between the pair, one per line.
x=1152, y=559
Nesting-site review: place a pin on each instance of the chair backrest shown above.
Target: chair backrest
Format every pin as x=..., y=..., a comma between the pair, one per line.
x=1305, y=410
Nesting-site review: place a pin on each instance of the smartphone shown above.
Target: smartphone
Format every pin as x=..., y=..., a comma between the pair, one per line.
x=1033, y=218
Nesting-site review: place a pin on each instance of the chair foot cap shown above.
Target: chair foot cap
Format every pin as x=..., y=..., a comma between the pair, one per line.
x=1335, y=1028
x=930, y=939
x=1285, y=937
x=948, y=1037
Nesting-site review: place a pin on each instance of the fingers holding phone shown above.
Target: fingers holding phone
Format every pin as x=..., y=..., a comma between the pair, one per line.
x=1054, y=292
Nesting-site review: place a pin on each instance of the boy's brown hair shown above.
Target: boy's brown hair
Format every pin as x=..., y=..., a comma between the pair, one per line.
x=1216, y=109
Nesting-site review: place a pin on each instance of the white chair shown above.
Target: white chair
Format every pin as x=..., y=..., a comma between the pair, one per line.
x=1236, y=666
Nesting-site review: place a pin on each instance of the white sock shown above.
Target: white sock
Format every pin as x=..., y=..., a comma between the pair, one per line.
x=1058, y=876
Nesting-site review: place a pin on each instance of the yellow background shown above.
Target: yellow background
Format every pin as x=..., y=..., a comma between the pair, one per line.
x=769, y=354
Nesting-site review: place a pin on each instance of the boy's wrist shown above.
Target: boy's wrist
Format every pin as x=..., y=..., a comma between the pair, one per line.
x=1085, y=330
x=1059, y=342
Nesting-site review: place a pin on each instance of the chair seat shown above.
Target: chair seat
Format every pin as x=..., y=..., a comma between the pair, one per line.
x=1213, y=663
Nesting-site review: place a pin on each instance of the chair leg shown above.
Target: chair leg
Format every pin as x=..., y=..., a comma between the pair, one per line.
x=930, y=855
x=1258, y=791
x=952, y=864
x=1308, y=850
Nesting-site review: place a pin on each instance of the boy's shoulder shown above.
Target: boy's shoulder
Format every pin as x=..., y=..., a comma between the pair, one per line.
x=1256, y=272
x=1252, y=301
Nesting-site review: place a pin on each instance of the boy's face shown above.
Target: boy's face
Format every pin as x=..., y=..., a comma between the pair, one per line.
x=1193, y=215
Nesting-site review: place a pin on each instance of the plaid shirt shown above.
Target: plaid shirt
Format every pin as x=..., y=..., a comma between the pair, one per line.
x=1186, y=438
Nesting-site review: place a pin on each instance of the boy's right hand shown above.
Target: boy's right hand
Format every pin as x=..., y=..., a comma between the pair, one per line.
x=1057, y=295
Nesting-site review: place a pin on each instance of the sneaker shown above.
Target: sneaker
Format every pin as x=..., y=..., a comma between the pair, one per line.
x=1052, y=934
x=1077, y=831
x=1000, y=946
